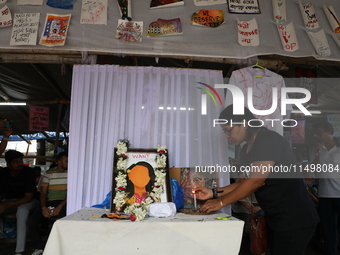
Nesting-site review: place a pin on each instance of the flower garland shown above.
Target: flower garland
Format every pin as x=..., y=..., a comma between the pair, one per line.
x=138, y=209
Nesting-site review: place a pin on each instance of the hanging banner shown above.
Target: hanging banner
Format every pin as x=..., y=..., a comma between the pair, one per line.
x=248, y=33
x=320, y=43
x=39, y=118
x=279, y=10
x=309, y=16
x=288, y=37
x=332, y=18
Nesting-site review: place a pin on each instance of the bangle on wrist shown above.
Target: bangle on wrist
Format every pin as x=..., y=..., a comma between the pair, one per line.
x=221, y=202
x=215, y=192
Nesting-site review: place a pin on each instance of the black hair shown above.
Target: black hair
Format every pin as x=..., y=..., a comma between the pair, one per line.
x=228, y=115
x=326, y=126
x=149, y=186
x=10, y=155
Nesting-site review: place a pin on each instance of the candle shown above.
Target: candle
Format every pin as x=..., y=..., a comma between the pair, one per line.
x=195, y=201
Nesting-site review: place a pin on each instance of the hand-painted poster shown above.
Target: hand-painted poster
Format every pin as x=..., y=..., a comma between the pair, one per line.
x=163, y=27
x=55, y=31
x=39, y=118
x=308, y=15
x=125, y=9
x=209, y=2
x=279, y=10
x=94, y=12
x=192, y=178
x=30, y=2
x=248, y=33
x=208, y=18
x=244, y=6
x=61, y=4
x=165, y=3
x=5, y=17
x=320, y=43
x=25, y=29
x=298, y=132
x=332, y=18
x=308, y=81
x=129, y=31
x=288, y=37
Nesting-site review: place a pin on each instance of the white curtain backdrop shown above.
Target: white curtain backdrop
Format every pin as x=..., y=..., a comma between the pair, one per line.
x=149, y=106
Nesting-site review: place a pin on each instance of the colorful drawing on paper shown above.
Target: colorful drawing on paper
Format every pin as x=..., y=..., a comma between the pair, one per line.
x=125, y=9
x=298, y=132
x=61, y=4
x=209, y=2
x=191, y=179
x=288, y=37
x=248, y=33
x=165, y=3
x=208, y=18
x=309, y=15
x=55, y=30
x=163, y=27
x=129, y=31
x=25, y=29
x=5, y=17
x=332, y=18
x=320, y=43
x=30, y=2
x=307, y=81
x=244, y=6
x=279, y=10
x=94, y=12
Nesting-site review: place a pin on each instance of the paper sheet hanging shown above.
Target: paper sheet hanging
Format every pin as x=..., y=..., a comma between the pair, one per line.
x=309, y=15
x=248, y=33
x=5, y=17
x=279, y=10
x=125, y=9
x=55, y=30
x=30, y=2
x=94, y=12
x=332, y=18
x=320, y=43
x=288, y=37
x=129, y=31
x=25, y=29
x=163, y=27
x=208, y=18
x=209, y=2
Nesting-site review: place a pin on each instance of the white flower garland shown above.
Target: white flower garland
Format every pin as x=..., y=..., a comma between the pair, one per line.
x=138, y=209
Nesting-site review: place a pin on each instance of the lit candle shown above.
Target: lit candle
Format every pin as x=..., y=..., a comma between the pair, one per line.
x=195, y=201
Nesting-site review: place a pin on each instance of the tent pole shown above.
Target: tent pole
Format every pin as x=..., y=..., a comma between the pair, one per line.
x=56, y=145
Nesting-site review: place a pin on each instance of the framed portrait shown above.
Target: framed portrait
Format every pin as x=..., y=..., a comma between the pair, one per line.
x=144, y=179
x=191, y=178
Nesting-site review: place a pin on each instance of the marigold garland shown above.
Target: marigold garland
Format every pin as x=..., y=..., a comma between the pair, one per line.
x=138, y=209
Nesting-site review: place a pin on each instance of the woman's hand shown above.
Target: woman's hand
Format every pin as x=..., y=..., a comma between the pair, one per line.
x=203, y=193
x=211, y=205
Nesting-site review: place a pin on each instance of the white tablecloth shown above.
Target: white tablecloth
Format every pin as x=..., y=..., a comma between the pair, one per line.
x=82, y=234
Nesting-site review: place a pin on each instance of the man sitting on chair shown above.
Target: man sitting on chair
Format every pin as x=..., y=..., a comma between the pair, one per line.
x=54, y=188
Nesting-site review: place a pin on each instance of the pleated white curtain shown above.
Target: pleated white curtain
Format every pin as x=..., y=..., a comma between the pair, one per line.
x=149, y=106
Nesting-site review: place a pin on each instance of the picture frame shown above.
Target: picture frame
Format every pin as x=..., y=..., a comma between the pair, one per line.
x=137, y=157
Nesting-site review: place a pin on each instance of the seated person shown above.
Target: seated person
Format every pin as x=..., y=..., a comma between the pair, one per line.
x=17, y=188
x=53, y=189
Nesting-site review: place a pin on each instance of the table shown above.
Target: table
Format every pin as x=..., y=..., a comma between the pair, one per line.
x=82, y=234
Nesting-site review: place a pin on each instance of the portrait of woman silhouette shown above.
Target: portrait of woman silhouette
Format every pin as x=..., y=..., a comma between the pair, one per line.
x=140, y=180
